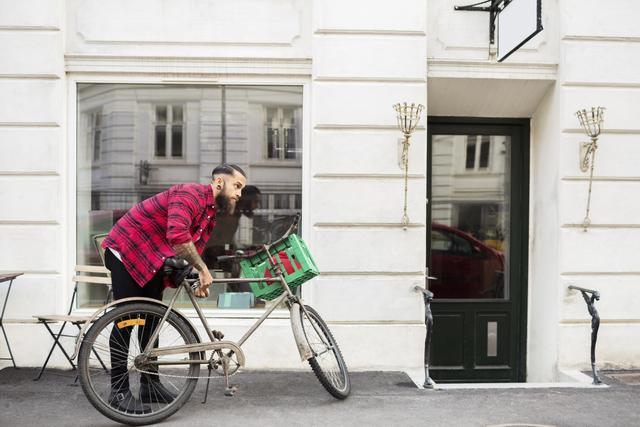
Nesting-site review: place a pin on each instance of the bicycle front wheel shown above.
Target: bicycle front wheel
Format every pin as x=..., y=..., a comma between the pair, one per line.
x=117, y=384
x=327, y=362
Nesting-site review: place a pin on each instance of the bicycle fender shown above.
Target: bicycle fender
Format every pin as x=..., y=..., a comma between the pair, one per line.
x=99, y=312
x=298, y=333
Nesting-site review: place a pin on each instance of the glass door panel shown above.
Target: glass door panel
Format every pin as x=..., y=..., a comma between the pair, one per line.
x=470, y=214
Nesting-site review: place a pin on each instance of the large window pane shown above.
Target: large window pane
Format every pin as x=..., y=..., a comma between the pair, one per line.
x=470, y=216
x=154, y=143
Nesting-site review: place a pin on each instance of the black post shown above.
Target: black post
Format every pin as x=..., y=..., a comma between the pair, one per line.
x=595, y=325
x=428, y=320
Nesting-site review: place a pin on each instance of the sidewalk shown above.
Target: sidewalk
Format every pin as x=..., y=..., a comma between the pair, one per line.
x=298, y=399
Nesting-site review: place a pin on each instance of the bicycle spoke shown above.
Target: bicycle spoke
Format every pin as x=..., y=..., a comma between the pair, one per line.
x=118, y=341
x=326, y=361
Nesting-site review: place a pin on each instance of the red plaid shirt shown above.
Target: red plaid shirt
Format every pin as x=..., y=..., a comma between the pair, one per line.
x=145, y=236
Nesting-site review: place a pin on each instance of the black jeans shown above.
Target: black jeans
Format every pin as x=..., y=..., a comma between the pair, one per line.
x=124, y=287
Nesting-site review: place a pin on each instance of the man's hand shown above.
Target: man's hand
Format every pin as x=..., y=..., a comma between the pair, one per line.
x=188, y=251
x=205, y=281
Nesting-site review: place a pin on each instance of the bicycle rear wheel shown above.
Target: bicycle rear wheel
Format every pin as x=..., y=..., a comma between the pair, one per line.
x=107, y=368
x=327, y=362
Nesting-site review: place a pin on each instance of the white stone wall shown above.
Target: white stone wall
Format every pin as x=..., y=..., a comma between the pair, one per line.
x=367, y=56
x=356, y=58
x=33, y=181
x=601, y=66
x=352, y=184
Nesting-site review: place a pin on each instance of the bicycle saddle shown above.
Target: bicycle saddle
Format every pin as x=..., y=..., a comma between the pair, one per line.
x=177, y=269
x=175, y=262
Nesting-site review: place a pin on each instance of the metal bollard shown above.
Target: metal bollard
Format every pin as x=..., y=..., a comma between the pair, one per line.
x=428, y=320
x=595, y=325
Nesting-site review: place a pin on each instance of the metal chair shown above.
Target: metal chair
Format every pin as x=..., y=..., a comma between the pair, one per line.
x=84, y=274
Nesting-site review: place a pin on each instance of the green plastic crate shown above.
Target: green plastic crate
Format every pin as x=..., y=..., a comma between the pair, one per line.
x=295, y=261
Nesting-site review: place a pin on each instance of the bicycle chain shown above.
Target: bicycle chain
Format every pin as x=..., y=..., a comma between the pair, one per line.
x=221, y=375
x=185, y=376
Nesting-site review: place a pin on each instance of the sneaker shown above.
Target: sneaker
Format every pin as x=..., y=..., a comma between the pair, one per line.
x=154, y=392
x=125, y=402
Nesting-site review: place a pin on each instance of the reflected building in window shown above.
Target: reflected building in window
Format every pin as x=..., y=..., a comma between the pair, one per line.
x=470, y=216
x=471, y=185
x=135, y=141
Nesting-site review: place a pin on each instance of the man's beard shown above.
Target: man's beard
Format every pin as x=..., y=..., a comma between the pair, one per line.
x=223, y=204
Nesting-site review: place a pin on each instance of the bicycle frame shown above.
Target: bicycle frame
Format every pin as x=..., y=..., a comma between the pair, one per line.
x=215, y=344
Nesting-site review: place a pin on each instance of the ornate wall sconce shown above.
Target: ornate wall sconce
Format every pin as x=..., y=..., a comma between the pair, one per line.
x=591, y=121
x=408, y=117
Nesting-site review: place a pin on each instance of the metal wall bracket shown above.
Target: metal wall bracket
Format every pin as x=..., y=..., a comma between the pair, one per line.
x=495, y=6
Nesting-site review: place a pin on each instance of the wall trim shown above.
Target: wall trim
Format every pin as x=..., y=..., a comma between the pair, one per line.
x=368, y=32
x=614, y=39
x=176, y=66
x=452, y=68
x=29, y=28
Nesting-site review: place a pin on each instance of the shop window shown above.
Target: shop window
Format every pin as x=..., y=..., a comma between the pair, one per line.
x=148, y=124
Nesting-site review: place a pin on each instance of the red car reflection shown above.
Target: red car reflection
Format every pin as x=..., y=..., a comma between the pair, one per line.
x=465, y=266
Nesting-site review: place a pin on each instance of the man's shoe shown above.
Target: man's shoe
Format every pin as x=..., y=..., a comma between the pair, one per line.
x=154, y=392
x=125, y=402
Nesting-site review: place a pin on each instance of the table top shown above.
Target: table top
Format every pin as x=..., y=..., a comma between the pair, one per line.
x=5, y=277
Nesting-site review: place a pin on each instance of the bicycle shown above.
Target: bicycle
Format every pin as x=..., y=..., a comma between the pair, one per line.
x=165, y=345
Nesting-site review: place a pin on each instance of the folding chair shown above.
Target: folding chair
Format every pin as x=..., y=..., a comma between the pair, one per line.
x=97, y=241
x=84, y=274
x=10, y=277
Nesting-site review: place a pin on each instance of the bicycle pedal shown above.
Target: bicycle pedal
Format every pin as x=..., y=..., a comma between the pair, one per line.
x=217, y=334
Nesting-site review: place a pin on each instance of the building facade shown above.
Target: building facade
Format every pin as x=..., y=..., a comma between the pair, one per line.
x=103, y=104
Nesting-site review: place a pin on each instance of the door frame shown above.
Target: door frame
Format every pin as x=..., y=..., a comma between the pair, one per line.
x=520, y=239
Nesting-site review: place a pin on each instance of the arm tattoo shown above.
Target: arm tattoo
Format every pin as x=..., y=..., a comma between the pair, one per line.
x=188, y=251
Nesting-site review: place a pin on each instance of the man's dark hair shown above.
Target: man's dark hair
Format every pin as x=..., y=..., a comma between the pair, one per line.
x=227, y=169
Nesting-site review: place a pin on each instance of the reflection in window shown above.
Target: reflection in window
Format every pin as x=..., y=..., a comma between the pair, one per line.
x=148, y=124
x=95, y=134
x=168, y=131
x=469, y=241
x=281, y=133
x=470, y=162
x=484, y=152
x=477, y=159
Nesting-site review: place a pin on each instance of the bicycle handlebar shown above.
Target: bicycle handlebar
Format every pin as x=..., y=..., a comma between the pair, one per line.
x=292, y=228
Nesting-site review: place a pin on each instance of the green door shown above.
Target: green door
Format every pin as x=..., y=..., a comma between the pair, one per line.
x=477, y=248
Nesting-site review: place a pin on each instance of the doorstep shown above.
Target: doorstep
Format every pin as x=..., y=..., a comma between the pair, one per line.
x=566, y=379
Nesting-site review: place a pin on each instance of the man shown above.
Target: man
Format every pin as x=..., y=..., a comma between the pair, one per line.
x=176, y=222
